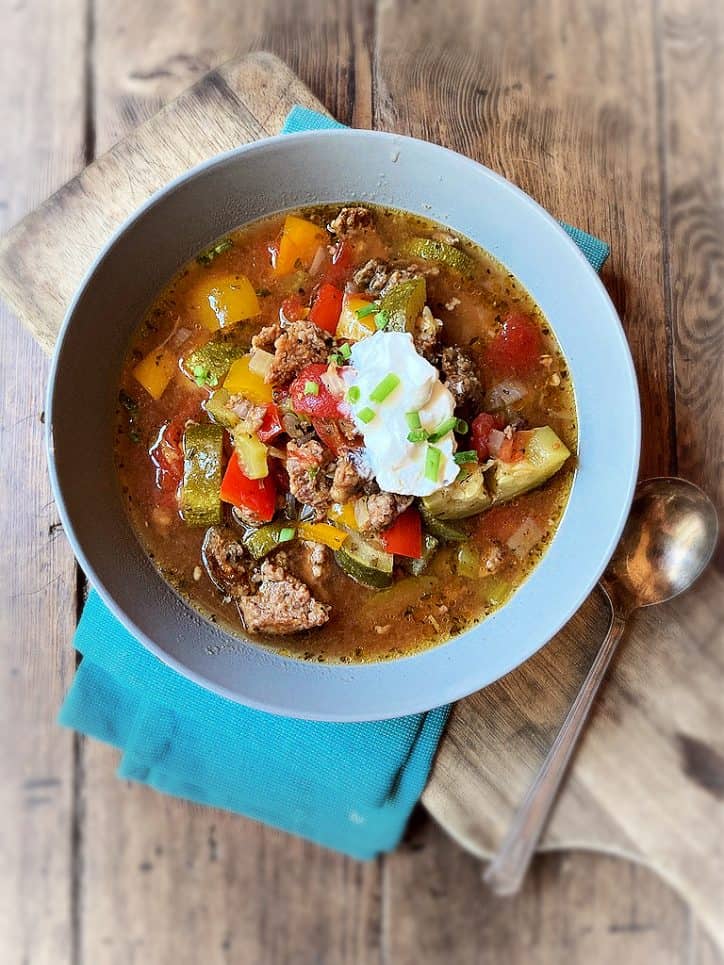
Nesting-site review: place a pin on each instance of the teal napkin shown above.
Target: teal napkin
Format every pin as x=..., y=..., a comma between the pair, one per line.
x=350, y=787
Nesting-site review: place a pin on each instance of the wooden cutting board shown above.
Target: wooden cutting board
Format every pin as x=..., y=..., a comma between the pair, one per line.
x=648, y=780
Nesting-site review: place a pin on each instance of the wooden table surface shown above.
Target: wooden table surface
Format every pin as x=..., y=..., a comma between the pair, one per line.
x=623, y=98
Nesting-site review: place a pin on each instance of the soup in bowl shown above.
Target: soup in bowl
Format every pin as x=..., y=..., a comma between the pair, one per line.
x=452, y=464
x=346, y=432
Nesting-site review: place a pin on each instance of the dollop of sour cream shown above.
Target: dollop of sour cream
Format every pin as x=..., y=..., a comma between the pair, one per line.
x=399, y=465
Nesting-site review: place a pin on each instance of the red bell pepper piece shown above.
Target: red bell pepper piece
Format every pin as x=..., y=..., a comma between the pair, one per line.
x=342, y=259
x=404, y=537
x=259, y=496
x=326, y=308
x=292, y=308
x=320, y=402
x=271, y=427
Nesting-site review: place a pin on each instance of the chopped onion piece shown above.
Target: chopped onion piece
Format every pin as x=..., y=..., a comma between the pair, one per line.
x=525, y=537
x=506, y=393
x=495, y=441
x=260, y=362
x=320, y=256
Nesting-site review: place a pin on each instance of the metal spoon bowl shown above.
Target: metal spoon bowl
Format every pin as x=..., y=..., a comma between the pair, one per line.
x=669, y=539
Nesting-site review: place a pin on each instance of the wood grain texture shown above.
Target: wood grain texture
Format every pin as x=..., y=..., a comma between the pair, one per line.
x=37, y=574
x=157, y=880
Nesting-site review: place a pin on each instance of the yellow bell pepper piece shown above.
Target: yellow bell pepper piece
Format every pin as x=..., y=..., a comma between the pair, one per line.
x=299, y=242
x=240, y=380
x=322, y=533
x=343, y=513
x=222, y=301
x=251, y=453
x=349, y=325
x=156, y=370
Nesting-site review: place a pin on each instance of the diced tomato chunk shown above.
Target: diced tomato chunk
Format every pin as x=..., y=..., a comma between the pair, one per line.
x=331, y=435
x=326, y=308
x=404, y=537
x=259, y=496
x=167, y=455
x=479, y=431
x=517, y=346
x=341, y=263
x=292, y=308
x=271, y=427
x=317, y=402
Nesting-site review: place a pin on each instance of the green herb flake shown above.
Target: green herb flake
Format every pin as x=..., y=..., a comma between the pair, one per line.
x=382, y=320
x=206, y=257
x=466, y=456
x=311, y=388
x=286, y=534
x=366, y=310
x=345, y=351
x=127, y=402
x=385, y=388
x=366, y=415
x=432, y=463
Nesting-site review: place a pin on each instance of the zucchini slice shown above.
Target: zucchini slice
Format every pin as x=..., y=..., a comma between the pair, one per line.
x=404, y=303
x=201, y=486
x=364, y=563
x=544, y=455
x=467, y=496
x=449, y=255
x=214, y=357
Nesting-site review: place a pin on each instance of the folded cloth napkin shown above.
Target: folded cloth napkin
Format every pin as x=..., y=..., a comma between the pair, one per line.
x=350, y=787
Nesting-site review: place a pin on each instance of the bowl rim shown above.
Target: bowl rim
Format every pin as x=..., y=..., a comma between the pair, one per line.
x=408, y=703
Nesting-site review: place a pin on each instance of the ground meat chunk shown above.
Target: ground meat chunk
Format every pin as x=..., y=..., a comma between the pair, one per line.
x=266, y=338
x=296, y=428
x=426, y=334
x=300, y=344
x=250, y=414
x=461, y=378
x=349, y=478
x=226, y=562
x=307, y=480
x=282, y=603
x=351, y=221
x=383, y=509
x=378, y=277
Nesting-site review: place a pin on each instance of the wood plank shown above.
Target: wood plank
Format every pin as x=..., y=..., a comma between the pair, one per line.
x=90, y=207
x=573, y=908
x=692, y=79
x=163, y=879
x=37, y=573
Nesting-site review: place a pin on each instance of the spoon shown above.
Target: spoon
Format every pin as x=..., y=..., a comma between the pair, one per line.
x=668, y=540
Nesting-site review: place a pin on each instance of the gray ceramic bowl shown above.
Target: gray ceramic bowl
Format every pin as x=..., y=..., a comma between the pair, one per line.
x=331, y=166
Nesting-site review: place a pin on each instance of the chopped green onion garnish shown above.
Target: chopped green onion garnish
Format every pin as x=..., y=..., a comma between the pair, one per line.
x=285, y=534
x=442, y=430
x=367, y=310
x=386, y=387
x=345, y=351
x=469, y=455
x=417, y=435
x=353, y=393
x=413, y=420
x=366, y=415
x=381, y=320
x=311, y=388
x=462, y=427
x=432, y=463
x=335, y=358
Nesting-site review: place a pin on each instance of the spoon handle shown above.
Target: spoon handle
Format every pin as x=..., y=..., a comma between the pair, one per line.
x=506, y=871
